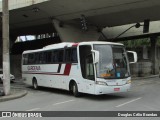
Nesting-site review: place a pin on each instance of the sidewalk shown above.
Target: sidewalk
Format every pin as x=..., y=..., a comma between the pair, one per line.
x=15, y=92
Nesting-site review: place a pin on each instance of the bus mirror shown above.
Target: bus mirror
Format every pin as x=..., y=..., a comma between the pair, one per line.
x=96, y=56
x=132, y=56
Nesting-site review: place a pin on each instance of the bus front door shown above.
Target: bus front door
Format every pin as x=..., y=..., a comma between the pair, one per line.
x=89, y=74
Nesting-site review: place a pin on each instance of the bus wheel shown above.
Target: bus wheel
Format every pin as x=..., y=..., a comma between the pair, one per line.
x=75, y=90
x=35, y=84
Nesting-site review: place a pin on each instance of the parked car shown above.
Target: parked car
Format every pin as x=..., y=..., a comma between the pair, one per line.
x=12, y=78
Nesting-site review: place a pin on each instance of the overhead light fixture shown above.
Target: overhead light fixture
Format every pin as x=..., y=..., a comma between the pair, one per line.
x=137, y=25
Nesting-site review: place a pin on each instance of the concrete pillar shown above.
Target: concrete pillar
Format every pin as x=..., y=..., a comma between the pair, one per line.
x=155, y=66
x=14, y=68
x=12, y=40
x=0, y=53
x=74, y=33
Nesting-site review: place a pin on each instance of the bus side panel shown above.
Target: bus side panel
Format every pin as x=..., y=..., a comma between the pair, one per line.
x=57, y=76
x=75, y=75
x=46, y=75
x=26, y=77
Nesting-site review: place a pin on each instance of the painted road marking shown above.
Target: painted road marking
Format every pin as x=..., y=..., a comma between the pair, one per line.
x=128, y=102
x=34, y=109
x=63, y=102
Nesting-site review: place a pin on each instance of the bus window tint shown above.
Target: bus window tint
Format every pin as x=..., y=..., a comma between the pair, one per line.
x=49, y=57
x=68, y=55
x=41, y=58
x=71, y=55
x=74, y=55
x=31, y=58
x=57, y=56
x=36, y=58
x=60, y=55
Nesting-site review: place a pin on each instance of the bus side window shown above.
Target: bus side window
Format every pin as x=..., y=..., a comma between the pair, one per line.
x=55, y=56
x=45, y=57
x=36, y=58
x=68, y=55
x=31, y=58
x=60, y=55
x=48, y=57
x=71, y=55
x=41, y=58
x=74, y=55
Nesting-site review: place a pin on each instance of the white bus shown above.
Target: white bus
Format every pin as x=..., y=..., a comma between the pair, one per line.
x=85, y=67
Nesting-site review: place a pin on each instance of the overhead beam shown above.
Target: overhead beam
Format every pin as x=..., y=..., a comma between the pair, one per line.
x=133, y=33
x=74, y=33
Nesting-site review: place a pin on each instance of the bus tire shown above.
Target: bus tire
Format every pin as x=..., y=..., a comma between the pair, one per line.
x=75, y=90
x=35, y=84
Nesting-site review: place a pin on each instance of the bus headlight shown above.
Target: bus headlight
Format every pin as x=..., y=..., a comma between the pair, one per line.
x=128, y=82
x=101, y=83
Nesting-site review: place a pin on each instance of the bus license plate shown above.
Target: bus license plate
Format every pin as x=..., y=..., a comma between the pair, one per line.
x=116, y=89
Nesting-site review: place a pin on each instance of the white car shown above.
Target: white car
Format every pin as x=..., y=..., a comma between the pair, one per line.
x=12, y=78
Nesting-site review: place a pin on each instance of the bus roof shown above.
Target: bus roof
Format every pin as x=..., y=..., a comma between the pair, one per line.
x=69, y=44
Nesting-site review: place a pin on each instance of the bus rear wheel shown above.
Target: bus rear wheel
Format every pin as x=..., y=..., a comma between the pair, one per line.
x=35, y=84
x=75, y=90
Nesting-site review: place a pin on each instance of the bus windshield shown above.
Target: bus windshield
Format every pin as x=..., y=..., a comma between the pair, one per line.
x=113, y=62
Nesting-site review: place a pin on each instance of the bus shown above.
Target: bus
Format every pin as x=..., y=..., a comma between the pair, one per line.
x=86, y=67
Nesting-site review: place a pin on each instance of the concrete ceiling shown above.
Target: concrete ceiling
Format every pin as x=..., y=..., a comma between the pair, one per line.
x=98, y=12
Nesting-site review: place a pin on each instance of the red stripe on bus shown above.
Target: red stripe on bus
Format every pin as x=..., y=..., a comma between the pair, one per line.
x=67, y=69
x=75, y=44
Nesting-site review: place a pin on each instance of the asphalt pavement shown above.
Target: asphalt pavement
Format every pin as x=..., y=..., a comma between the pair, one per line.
x=144, y=96
x=18, y=89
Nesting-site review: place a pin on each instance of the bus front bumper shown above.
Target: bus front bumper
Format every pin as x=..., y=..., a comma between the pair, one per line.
x=104, y=89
